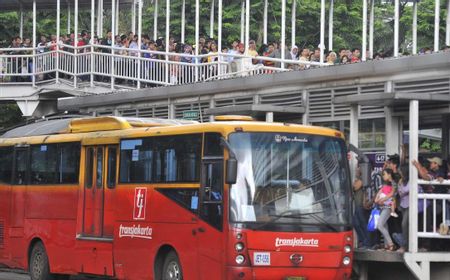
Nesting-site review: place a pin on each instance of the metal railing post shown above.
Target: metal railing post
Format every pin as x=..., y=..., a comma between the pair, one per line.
x=413, y=178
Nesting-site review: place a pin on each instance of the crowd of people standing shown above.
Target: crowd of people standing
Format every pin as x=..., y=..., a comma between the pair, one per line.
x=388, y=192
x=269, y=55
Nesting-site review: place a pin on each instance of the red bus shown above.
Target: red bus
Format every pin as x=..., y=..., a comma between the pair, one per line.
x=166, y=199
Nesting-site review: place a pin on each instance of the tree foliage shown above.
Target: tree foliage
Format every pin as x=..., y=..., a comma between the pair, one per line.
x=10, y=115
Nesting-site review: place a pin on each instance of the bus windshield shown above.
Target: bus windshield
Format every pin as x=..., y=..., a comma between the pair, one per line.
x=290, y=182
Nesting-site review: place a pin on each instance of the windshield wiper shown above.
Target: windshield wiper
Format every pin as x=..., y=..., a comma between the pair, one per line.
x=295, y=214
x=298, y=215
x=323, y=221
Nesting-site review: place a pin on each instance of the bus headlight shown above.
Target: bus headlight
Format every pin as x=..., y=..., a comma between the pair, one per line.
x=346, y=260
x=240, y=259
x=347, y=249
x=239, y=246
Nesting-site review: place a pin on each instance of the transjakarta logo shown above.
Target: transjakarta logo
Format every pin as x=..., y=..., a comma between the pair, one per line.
x=296, y=242
x=140, y=198
x=135, y=232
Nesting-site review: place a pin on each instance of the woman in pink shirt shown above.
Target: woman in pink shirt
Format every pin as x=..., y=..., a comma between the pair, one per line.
x=384, y=200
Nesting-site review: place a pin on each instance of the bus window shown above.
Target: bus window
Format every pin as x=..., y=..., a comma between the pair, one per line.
x=164, y=159
x=188, y=198
x=6, y=156
x=212, y=193
x=54, y=163
x=112, y=159
x=212, y=145
x=20, y=169
x=89, y=165
x=43, y=164
x=99, y=177
x=68, y=163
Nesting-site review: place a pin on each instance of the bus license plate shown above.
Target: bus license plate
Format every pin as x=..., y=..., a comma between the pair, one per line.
x=261, y=258
x=295, y=278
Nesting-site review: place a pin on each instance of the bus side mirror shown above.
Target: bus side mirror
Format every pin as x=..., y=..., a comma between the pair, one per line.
x=231, y=172
x=365, y=169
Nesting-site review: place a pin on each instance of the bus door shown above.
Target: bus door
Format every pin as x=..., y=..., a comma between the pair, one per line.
x=210, y=227
x=99, y=187
x=94, y=245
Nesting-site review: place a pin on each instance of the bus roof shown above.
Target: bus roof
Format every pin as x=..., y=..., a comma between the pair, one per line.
x=79, y=125
x=94, y=129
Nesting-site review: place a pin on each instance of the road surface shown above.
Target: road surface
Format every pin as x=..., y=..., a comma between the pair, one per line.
x=14, y=274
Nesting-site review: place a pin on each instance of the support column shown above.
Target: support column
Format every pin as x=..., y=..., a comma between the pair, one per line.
x=92, y=41
x=242, y=21
x=117, y=16
x=293, y=22
x=413, y=174
x=391, y=131
x=436, y=24
x=75, y=45
x=371, y=27
x=269, y=117
x=33, y=78
x=330, y=26
x=155, y=22
x=305, y=103
x=58, y=34
x=113, y=39
x=414, y=29
x=183, y=21
x=133, y=17
x=354, y=136
x=140, y=4
x=211, y=21
x=322, y=30
x=364, y=32
x=219, y=37
x=283, y=31
x=247, y=25
x=100, y=18
x=447, y=25
x=167, y=40
x=21, y=22
x=446, y=138
x=197, y=35
x=396, y=26
x=68, y=17
x=266, y=5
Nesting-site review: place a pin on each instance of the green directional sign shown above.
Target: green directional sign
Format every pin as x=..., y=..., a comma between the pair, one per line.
x=191, y=115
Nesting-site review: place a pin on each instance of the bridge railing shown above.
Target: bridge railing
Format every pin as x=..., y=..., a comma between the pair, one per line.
x=129, y=67
x=433, y=205
x=16, y=65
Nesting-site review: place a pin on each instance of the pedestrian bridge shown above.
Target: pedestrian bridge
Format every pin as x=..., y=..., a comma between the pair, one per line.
x=30, y=76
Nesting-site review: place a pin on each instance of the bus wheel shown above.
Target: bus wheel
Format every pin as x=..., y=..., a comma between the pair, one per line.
x=172, y=267
x=39, y=267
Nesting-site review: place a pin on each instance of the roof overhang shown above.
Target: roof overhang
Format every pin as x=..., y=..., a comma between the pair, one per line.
x=257, y=111
x=390, y=98
x=14, y=5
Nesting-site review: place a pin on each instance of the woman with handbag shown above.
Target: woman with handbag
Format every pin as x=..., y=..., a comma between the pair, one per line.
x=384, y=199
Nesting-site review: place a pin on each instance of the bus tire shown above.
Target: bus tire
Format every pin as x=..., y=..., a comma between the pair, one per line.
x=172, y=268
x=39, y=266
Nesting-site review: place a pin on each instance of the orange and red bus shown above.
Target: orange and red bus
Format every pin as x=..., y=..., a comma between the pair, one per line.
x=166, y=199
